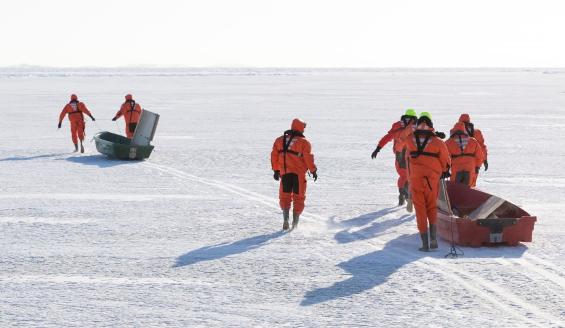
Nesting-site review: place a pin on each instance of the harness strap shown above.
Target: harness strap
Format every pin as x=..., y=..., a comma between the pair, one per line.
x=291, y=152
x=463, y=155
x=415, y=154
x=422, y=145
x=470, y=127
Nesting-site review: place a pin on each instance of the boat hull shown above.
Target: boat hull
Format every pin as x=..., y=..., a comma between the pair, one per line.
x=117, y=146
x=481, y=219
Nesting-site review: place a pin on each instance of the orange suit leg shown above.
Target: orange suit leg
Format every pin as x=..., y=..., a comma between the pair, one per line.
x=402, y=175
x=299, y=198
x=473, y=179
x=285, y=198
x=128, y=134
x=77, y=132
x=80, y=130
x=425, y=204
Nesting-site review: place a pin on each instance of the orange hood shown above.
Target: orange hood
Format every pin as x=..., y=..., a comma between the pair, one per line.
x=459, y=126
x=465, y=118
x=298, y=125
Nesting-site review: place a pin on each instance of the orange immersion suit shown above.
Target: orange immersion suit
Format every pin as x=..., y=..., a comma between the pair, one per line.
x=75, y=110
x=131, y=112
x=395, y=134
x=478, y=135
x=292, y=156
x=428, y=158
x=466, y=156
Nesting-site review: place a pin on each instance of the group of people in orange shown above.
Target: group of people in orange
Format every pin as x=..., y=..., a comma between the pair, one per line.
x=75, y=109
x=422, y=159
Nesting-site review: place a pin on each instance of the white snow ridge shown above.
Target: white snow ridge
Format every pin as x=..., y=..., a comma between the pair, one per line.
x=192, y=236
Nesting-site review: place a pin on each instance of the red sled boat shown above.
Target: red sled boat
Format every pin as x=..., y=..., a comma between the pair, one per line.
x=480, y=219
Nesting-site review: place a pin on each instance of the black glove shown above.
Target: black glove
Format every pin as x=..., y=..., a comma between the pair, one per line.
x=445, y=174
x=59, y=125
x=485, y=163
x=440, y=135
x=477, y=170
x=115, y=118
x=92, y=118
x=374, y=154
x=277, y=175
x=315, y=175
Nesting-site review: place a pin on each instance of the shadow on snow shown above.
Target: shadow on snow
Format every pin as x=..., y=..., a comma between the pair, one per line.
x=98, y=160
x=375, y=268
x=367, y=271
x=30, y=158
x=374, y=230
x=214, y=252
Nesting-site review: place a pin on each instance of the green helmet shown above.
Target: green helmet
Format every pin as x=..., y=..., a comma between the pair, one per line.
x=410, y=112
x=425, y=117
x=426, y=114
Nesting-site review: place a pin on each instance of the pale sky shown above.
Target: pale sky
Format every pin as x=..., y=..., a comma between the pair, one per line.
x=286, y=33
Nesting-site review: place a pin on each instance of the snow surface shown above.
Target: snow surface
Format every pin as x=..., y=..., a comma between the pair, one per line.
x=191, y=237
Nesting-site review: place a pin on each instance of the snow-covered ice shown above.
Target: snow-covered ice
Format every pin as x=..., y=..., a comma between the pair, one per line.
x=191, y=237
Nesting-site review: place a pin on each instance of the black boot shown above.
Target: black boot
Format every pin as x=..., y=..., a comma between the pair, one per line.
x=81, y=148
x=76, y=148
x=433, y=236
x=295, y=218
x=401, y=196
x=286, y=215
x=425, y=247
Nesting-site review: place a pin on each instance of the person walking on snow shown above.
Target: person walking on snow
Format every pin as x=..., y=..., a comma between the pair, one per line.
x=395, y=134
x=428, y=162
x=76, y=110
x=291, y=158
x=477, y=134
x=466, y=155
x=131, y=112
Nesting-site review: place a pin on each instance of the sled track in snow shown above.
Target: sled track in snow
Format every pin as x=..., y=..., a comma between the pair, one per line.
x=480, y=287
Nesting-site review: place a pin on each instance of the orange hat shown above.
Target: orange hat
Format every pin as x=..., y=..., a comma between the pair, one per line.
x=465, y=118
x=298, y=125
x=74, y=97
x=129, y=97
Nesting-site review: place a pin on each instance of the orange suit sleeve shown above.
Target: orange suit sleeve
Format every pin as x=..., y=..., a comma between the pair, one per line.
x=63, y=113
x=390, y=134
x=275, y=156
x=309, y=157
x=120, y=112
x=479, y=136
x=479, y=155
x=444, y=157
x=84, y=109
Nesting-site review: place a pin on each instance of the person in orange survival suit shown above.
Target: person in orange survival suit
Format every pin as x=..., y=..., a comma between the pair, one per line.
x=131, y=112
x=409, y=118
x=291, y=158
x=76, y=110
x=477, y=134
x=466, y=155
x=428, y=162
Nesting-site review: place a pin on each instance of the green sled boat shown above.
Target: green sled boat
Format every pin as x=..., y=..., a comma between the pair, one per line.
x=117, y=146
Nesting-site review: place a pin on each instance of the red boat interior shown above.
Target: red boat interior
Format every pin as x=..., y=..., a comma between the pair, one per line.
x=465, y=202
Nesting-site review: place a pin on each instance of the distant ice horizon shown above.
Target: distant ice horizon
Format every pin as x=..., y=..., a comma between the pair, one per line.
x=150, y=70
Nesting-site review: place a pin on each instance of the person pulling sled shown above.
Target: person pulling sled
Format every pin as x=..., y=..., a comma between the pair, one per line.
x=428, y=162
x=76, y=110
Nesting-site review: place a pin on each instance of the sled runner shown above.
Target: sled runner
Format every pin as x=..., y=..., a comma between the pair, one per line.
x=138, y=148
x=482, y=219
